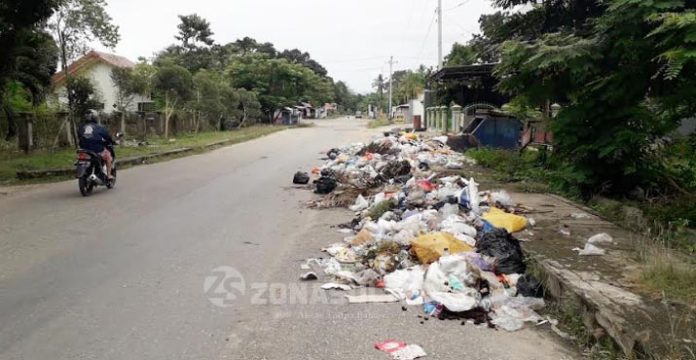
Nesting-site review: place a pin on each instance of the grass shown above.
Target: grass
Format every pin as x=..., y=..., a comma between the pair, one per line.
x=11, y=160
x=378, y=123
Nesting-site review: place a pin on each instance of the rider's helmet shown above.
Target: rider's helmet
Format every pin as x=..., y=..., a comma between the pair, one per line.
x=91, y=115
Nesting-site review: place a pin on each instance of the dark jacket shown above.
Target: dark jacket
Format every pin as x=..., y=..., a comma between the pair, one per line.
x=94, y=137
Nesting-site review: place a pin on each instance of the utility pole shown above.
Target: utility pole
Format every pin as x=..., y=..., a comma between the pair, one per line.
x=391, y=83
x=439, y=34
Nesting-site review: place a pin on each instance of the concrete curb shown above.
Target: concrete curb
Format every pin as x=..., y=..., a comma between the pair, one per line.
x=129, y=161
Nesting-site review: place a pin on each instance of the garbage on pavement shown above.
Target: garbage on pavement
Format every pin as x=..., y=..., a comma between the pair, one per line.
x=399, y=350
x=425, y=234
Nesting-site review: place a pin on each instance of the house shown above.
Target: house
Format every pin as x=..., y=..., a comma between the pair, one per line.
x=96, y=66
x=329, y=109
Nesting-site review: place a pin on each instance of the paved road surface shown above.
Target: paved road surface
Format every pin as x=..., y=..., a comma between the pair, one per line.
x=121, y=274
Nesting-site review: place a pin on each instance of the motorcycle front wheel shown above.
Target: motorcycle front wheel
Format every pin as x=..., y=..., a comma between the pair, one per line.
x=85, y=185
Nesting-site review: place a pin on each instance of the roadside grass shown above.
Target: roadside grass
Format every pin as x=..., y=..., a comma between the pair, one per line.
x=378, y=123
x=12, y=160
x=667, y=238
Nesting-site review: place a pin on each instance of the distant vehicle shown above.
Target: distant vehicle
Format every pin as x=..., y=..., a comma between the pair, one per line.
x=358, y=115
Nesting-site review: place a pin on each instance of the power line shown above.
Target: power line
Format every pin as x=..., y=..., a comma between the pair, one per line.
x=427, y=34
x=458, y=5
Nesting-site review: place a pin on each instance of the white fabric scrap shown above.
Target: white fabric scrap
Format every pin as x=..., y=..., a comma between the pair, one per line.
x=410, y=352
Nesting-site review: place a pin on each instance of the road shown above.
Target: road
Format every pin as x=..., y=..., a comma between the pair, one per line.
x=128, y=273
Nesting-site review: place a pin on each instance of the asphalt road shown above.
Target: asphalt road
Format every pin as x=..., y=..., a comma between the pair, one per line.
x=129, y=273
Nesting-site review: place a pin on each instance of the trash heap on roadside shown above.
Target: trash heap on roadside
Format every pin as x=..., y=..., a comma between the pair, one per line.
x=424, y=233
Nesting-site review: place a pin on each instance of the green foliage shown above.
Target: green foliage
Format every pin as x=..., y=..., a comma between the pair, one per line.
x=81, y=95
x=79, y=23
x=625, y=74
x=278, y=82
x=194, y=30
x=128, y=85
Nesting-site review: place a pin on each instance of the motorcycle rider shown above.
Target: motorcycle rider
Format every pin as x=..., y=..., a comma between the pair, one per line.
x=96, y=138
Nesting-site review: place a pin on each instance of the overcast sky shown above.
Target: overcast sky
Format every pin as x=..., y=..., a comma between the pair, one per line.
x=353, y=39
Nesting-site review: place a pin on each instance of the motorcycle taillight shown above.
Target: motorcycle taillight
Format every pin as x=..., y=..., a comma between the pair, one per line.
x=82, y=156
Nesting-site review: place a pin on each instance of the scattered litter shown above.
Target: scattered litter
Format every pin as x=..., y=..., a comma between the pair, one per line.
x=580, y=215
x=501, y=198
x=500, y=219
x=507, y=251
x=590, y=250
x=367, y=299
x=309, y=276
x=398, y=350
x=301, y=178
x=425, y=235
x=334, y=286
x=602, y=238
x=360, y=204
x=410, y=352
x=430, y=247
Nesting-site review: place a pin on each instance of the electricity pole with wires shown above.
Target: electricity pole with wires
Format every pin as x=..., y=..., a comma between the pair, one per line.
x=439, y=34
x=391, y=84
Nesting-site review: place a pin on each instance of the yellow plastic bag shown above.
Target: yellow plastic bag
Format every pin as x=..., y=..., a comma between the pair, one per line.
x=430, y=247
x=501, y=219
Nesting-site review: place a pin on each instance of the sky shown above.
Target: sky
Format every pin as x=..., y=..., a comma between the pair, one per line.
x=353, y=39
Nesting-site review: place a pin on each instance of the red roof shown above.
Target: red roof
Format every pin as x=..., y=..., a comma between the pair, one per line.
x=89, y=59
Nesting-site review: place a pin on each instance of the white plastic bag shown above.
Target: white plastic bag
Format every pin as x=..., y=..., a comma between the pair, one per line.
x=590, y=250
x=360, y=204
x=601, y=239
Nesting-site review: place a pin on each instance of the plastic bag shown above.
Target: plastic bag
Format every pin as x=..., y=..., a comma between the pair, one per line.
x=410, y=280
x=499, y=244
x=501, y=197
x=590, y=250
x=601, y=238
x=430, y=247
x=301, y=178
x=456, y=224
x=500, y=219
x=360, y=204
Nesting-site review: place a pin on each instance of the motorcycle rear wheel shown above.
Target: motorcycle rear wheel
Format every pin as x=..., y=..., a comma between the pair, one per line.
x=85, y=185
x=112, y=183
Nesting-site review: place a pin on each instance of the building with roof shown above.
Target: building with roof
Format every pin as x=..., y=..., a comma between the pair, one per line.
x=97, y=66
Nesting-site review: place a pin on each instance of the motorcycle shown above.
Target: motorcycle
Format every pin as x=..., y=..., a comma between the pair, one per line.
x=90, y=170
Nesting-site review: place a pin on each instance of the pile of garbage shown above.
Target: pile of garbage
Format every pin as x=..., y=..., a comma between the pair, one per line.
x=425, y=234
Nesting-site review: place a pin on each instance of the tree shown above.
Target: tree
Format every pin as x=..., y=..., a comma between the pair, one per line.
x=77, y=23
x=278, y=82
x=344, y=97
x=249, y=107
x=626, y=73
x=19, y=28
x=82, y=95
x=174, y=85
x=303, y=58
x=194, y=32
x=128, y=87
x=249, y=46
x=206, y=103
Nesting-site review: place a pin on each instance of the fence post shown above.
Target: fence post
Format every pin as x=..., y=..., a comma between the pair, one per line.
x=25, y=136
x=456, y=119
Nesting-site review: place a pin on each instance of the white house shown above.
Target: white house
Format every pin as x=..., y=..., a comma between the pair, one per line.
x=97, y=66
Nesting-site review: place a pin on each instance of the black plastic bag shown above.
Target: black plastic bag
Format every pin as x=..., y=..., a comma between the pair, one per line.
x=333, y=154
x=507, y=251
x=530, y=286
x=395, y=169
x=325, y=184
x=301, y=178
